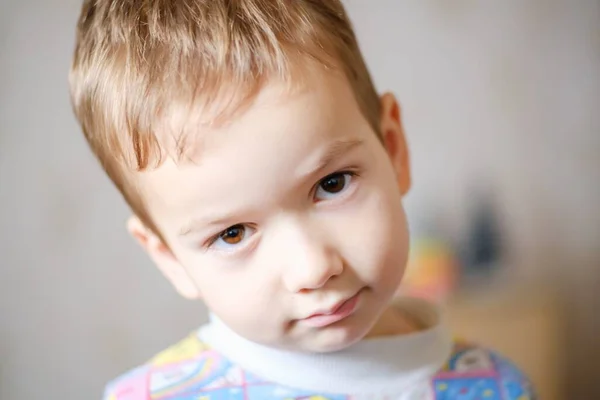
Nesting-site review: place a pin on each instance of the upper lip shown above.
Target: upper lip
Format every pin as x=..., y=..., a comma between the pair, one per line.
x=331, y=310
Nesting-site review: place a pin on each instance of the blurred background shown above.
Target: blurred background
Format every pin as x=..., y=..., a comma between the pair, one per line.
x=501, y=105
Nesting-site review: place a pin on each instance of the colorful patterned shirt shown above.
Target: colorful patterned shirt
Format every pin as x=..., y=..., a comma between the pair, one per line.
x=191, y=370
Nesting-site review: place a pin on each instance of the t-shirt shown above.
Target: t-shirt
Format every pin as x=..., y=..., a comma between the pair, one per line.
x=214, y=363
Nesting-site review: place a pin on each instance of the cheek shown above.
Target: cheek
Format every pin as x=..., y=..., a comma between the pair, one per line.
x=237, y=294
x=376, y=237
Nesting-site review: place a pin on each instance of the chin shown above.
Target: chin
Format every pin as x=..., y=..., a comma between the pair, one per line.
x=336, y=338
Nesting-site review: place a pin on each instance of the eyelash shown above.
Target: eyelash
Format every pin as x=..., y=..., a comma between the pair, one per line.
x=210, y=243
x=350, y=172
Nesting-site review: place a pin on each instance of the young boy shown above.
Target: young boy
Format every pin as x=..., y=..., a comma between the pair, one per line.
x=266, y=178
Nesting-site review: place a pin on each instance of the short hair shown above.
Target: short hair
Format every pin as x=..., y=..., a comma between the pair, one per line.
x=139, y=62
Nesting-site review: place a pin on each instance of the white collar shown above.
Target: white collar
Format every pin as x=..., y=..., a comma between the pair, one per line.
x=379, y=366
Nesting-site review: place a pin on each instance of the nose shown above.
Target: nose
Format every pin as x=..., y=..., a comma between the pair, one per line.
x=310, y=261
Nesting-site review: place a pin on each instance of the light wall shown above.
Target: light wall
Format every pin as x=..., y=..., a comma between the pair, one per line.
x=504, y=92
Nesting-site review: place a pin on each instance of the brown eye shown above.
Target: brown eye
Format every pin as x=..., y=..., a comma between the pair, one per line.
x=233, y=235
x=333, y=183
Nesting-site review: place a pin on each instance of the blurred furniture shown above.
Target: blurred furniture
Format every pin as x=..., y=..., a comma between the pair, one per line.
x=523, y=323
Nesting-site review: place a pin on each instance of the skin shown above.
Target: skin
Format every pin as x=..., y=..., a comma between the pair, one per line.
x=292, y=207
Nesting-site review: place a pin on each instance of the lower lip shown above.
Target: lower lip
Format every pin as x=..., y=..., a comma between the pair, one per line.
x=345, y=310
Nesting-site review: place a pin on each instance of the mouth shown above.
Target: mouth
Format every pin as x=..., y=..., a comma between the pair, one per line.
x=337, y=313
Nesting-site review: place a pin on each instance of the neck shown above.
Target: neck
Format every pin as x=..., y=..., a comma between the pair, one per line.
x=393, y=322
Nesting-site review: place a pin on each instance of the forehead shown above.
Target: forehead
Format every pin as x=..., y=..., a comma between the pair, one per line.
x=273, y=140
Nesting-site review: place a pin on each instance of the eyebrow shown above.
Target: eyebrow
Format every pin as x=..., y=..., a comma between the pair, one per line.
x=331, y=153
x=193, y=225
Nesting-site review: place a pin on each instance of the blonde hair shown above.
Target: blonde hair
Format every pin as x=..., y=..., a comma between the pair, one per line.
x=139, y=62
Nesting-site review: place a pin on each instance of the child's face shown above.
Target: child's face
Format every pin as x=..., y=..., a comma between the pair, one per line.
x=288, y=212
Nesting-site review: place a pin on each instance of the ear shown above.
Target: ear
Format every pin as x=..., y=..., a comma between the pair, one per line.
x=394, y=140
x=164, y=259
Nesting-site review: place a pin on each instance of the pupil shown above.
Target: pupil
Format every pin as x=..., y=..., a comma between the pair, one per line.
x=233, y=232
x=233, y=235
x=334, y=184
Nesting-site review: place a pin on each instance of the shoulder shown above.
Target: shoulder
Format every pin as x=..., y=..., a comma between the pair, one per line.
x=473, y=370
x=169, y=368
